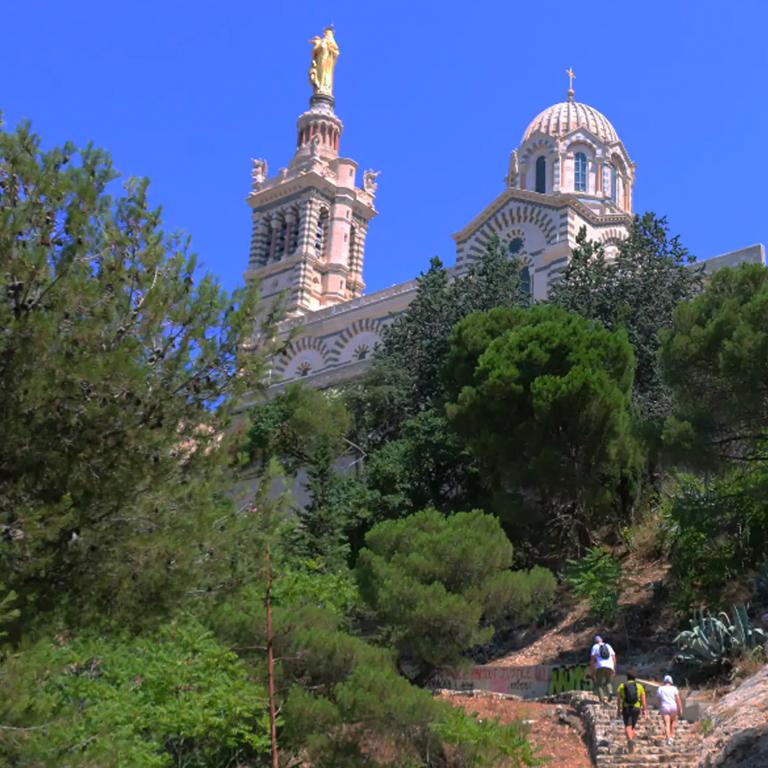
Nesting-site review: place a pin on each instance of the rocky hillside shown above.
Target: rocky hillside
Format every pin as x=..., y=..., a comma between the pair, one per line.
x=740, y=720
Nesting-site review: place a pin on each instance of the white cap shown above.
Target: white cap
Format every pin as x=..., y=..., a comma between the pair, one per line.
x=668, y=679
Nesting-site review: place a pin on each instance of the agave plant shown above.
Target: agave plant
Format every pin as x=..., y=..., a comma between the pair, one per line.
x=715, y=639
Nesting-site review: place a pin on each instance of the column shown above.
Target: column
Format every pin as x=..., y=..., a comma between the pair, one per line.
x=290, y=219
x=305, y=226
x=275, y=225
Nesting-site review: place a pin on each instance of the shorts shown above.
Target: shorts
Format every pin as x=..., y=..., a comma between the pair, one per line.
x=671, y=711
x=630, y=716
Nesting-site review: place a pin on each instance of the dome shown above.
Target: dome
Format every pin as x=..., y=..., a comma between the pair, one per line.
x=566, y=116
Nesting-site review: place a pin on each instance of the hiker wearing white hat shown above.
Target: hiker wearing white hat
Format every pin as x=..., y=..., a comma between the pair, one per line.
x=670, y=706
x=602, y=664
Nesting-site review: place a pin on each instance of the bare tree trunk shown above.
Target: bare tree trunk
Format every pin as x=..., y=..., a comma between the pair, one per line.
x=271, y=663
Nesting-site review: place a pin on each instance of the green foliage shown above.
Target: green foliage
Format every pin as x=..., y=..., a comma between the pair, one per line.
x=300, y=426
x=485, y=743
x=172, y=698
x=406, y=377
x=345, y=695
x=715, y=358
x=715, y=640
x=427, y=465
x=433, y=582
x=638, y=290
x=718, y=533
x=8, y=613
x=306, y=429
x=120, y=376
x=761, y=583
x=597, y=579
x=543, y=398
x=312, y=584
x=118, y=372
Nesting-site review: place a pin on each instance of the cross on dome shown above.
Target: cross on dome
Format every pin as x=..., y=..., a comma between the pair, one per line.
x=571, y=78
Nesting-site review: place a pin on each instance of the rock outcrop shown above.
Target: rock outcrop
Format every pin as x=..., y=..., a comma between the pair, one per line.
x=740, y=719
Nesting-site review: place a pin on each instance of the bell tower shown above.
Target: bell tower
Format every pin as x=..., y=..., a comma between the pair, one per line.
x=310, y=220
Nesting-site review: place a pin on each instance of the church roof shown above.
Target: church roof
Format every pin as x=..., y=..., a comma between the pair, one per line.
x=562, y=118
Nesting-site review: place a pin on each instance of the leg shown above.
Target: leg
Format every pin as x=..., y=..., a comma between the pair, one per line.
x=630, y=722
x=603, y=677
x=667, y=724
x=672, y=724
x=628, y=729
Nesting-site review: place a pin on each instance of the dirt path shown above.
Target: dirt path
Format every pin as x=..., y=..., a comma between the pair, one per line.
x=570, y=639
x=554, y=730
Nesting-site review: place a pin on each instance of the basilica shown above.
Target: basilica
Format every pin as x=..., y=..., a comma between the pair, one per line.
x=310, y=222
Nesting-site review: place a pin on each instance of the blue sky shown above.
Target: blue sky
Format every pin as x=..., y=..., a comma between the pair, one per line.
x=433, y=95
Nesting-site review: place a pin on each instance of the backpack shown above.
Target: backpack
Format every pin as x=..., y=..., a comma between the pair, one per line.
x=630, y=694
x=604, y=652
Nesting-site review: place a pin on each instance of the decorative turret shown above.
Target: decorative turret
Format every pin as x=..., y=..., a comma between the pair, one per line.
x=571, y=148
x=310, y=220
x=570, y=171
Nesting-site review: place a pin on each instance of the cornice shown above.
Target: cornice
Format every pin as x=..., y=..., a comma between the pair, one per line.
x=550, y=201
x=310, y=181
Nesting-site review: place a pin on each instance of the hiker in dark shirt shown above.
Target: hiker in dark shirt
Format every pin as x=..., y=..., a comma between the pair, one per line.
x=632, y=701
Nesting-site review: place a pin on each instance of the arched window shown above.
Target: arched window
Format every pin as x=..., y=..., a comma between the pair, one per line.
x=320, y=232
x=279, y=239
x=526, y=281
x=614, y=193
x=295, y=232
x=541, y=175
x=580, y=172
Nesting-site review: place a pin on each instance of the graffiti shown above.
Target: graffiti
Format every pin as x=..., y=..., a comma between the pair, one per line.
x=527, y=682
x=573, y=678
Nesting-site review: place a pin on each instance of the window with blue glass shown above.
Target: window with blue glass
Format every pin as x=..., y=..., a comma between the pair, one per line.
x=613, y=184
x=526, y=281
x=541, y=175
x=580, y=172
x=515, y=246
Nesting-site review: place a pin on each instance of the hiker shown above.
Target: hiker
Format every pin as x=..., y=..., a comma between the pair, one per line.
x=632, y=701
x=670, y=706
x=602, y=664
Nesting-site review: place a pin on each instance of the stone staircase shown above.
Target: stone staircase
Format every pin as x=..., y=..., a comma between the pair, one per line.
x=609, y=743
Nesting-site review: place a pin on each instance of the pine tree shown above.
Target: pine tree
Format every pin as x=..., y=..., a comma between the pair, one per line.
x=120, y=367
x=637, y=290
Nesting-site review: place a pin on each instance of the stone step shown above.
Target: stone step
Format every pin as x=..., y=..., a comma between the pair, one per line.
x=641, y=758
x=651, y=748
x=623, y=763
x=618, y=747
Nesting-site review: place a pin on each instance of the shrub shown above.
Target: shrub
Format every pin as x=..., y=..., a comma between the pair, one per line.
x=718, y=533
x=175, y=697
x=487, y=743
x=434, y=583
x=597, y=578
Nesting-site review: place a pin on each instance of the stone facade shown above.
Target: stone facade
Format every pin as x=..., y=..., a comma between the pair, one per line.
x=310, y=223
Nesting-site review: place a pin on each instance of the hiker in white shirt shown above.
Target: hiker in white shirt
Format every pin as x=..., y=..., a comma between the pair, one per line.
x=670, y=706
x=602, y=664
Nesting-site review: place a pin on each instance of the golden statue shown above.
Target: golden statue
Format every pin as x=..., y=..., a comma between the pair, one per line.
x=325, y=51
